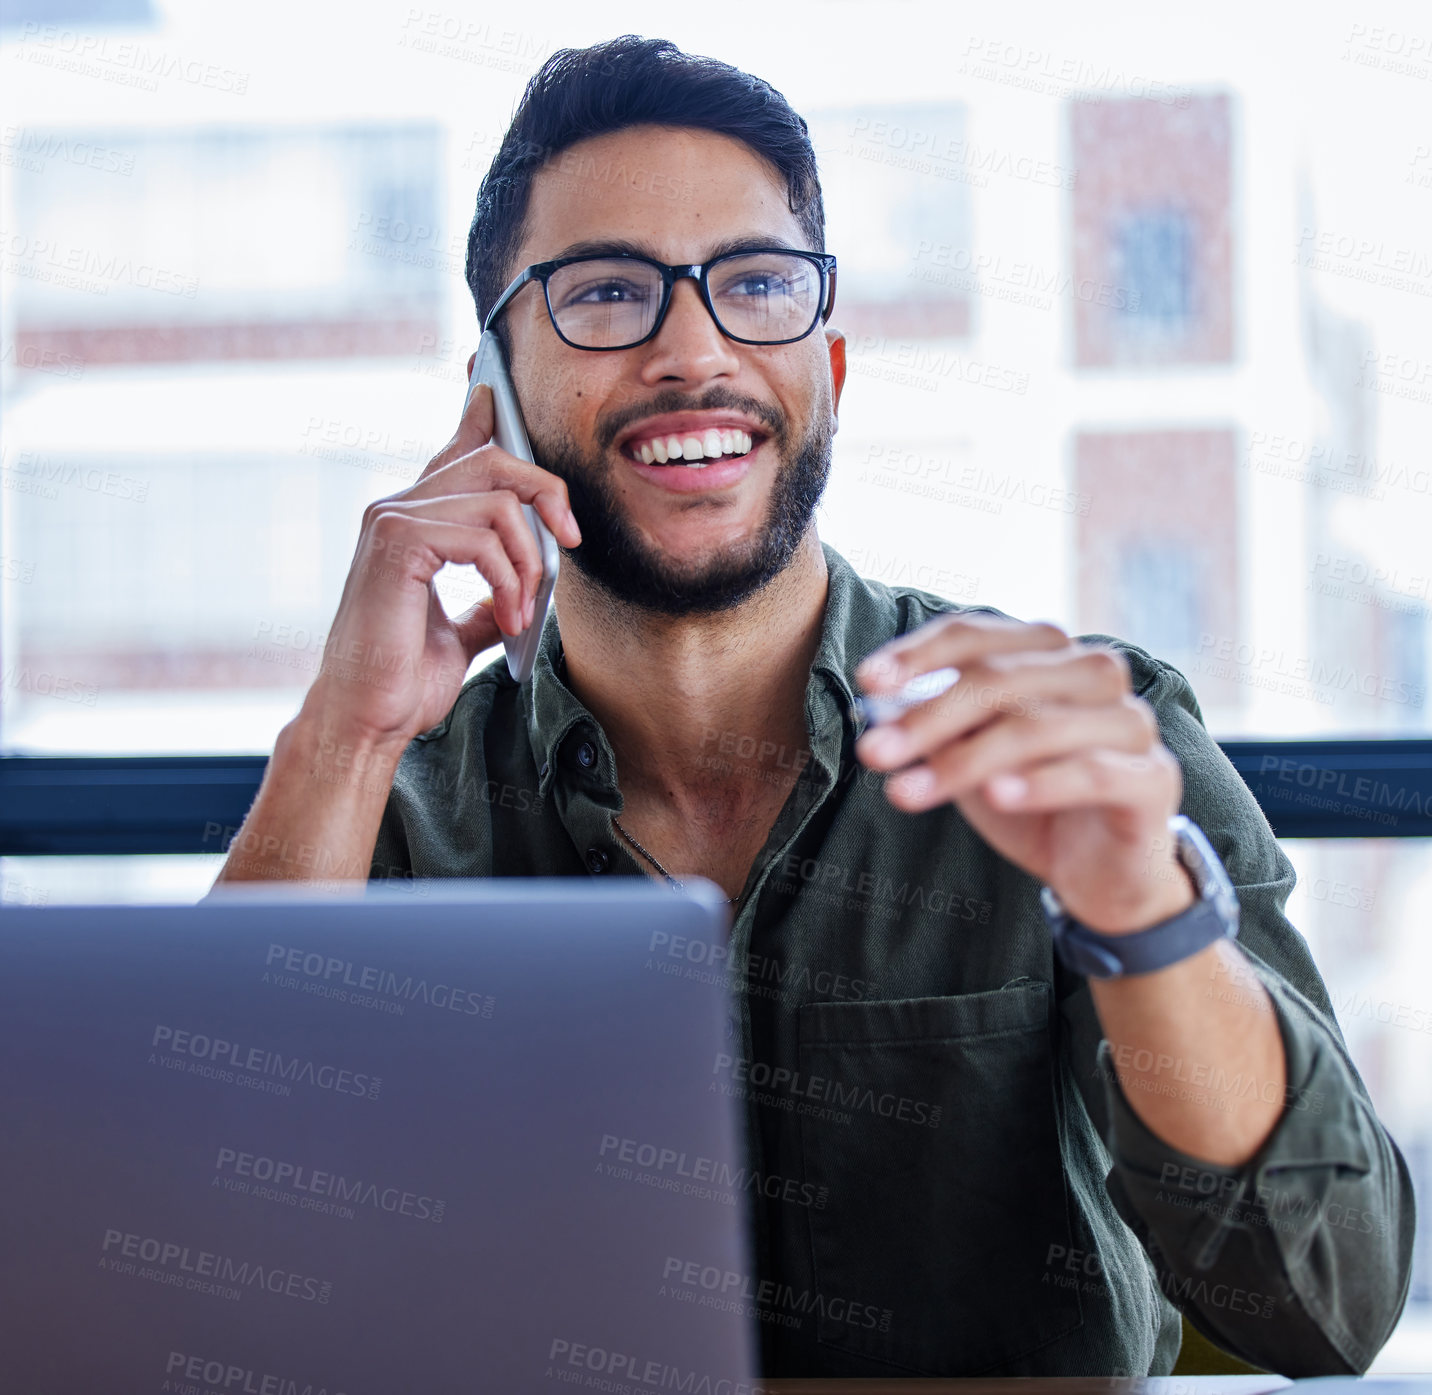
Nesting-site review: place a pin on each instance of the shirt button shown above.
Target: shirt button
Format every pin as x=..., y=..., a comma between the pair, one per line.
x=597, y=860
x=586, y=755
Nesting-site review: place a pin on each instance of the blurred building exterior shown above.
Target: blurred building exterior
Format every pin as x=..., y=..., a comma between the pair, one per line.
x=1080, y=388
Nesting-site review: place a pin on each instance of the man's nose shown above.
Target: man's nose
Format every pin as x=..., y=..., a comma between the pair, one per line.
x=689, y=347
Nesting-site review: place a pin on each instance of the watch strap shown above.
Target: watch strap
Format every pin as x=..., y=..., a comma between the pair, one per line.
x=1213, y=916
x=1088, y=952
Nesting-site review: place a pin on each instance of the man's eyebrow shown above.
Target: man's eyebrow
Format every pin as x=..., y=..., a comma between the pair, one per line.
x=623, y=247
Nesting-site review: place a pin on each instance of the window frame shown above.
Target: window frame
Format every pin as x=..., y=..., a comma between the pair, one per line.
x=96, y=805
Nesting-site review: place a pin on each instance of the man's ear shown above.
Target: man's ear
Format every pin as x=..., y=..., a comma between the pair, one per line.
x=835, y=343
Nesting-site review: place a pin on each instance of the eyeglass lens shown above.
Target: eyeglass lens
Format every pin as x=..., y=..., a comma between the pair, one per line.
x=611, y=302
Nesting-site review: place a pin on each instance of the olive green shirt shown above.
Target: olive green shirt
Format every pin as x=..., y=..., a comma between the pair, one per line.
x=950, y=1179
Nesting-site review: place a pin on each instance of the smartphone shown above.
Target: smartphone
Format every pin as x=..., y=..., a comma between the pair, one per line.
x=490, y=367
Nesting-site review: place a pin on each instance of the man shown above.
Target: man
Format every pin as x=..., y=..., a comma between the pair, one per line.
x=957, y=1175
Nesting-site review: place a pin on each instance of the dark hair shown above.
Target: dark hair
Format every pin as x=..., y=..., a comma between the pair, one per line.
x=582, y=92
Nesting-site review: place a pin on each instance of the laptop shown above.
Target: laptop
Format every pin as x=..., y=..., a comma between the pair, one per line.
x=439, y=1137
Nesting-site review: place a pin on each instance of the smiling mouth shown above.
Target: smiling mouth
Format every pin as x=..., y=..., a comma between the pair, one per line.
x=694, y=450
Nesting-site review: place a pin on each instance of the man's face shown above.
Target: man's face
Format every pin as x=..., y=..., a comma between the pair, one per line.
x=672, y=539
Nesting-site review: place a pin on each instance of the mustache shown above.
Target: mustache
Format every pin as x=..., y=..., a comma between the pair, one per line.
x=714, y=399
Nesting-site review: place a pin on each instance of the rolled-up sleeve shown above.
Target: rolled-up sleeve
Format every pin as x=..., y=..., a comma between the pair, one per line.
x=1299, y=1260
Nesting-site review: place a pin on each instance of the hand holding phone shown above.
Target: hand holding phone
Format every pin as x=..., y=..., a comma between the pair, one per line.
x=510, y=434
x=394, y=660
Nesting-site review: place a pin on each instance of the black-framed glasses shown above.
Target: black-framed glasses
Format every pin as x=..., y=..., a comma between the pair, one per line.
x=762, y=295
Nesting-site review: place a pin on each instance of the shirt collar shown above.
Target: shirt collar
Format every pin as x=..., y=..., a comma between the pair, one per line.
x=859, y=616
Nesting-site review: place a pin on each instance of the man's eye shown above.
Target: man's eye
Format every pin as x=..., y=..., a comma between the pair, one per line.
x=605, y=292
x=756, y=285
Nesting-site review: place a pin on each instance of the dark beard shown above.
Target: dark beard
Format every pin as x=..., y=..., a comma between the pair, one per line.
x=612, y=555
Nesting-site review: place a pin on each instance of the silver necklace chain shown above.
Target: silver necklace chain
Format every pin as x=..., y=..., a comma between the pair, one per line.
x=616, y=823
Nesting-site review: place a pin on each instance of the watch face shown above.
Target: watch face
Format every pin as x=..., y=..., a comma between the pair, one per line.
x=1204, y=865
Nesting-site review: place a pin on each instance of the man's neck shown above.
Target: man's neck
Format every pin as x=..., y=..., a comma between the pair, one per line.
x=677, y=697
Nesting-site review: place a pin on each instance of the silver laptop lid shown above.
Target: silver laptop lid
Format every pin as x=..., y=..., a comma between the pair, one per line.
x=446, y=1136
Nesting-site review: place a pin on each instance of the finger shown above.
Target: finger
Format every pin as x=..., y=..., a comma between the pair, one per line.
x=479, y=418
x=490, y=467
x=1013, y=743
x=500, y=510
x=474, y=428
x=415, y=549
x=952, y=641
x=411, y=542
x=1091, y=779
x=477, y=628
x=1019, y=685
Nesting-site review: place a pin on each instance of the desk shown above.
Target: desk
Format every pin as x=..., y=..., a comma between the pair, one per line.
x=1042, y=1385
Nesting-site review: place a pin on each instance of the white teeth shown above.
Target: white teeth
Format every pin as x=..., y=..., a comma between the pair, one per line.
x=696, y=451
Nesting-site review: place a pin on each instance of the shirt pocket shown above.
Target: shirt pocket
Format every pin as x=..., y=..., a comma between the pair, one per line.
x=938, y=1147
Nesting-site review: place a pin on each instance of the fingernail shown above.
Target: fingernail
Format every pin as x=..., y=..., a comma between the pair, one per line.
x=1007, y=789
x=914, y=786
x=884, y=744
x=879, y=669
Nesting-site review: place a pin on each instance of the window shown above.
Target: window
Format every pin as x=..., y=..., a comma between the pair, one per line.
x=1162, y=588
x=1159, y=227
x=1154, y=261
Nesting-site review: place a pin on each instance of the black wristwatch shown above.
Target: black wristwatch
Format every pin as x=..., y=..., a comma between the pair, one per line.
x=1214, y=916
